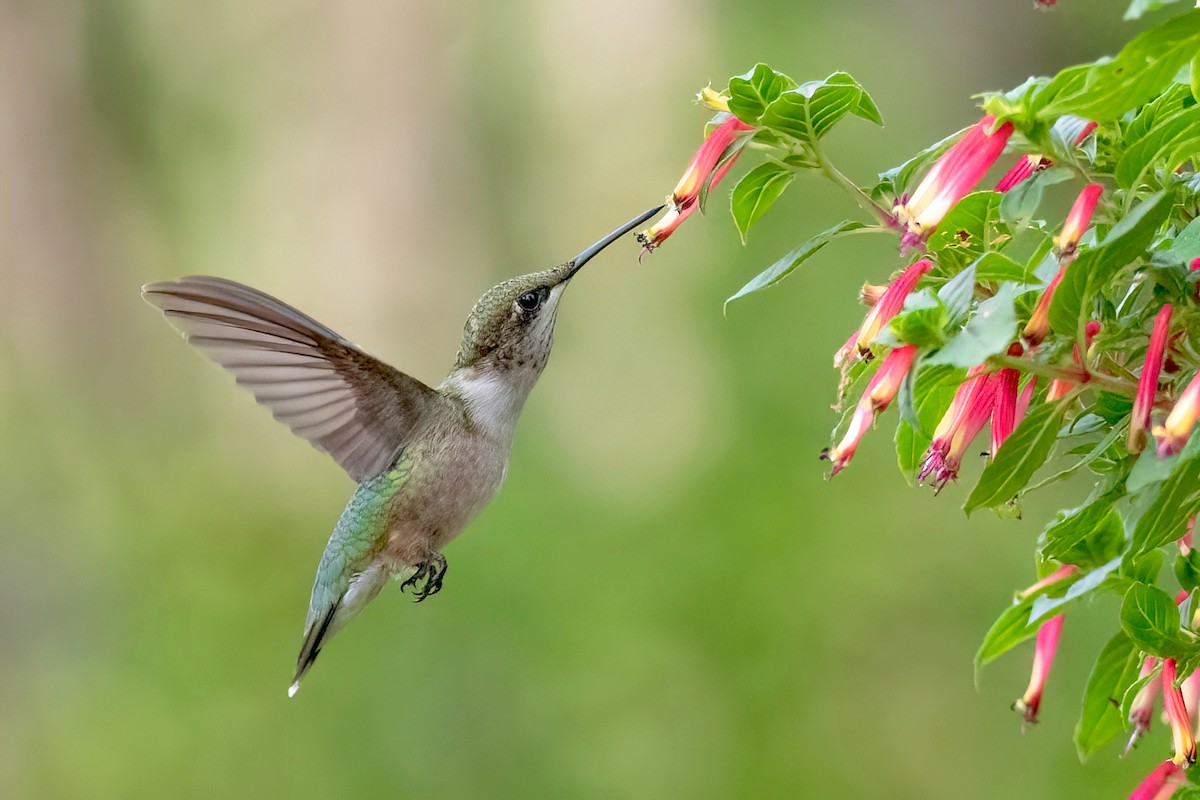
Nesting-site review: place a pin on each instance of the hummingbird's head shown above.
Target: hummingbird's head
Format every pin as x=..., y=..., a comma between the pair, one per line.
x=511, y=329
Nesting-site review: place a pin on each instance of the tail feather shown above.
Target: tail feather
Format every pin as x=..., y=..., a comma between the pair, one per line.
x=314, y=638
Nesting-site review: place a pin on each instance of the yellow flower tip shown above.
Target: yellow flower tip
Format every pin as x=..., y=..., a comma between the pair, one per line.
x=710, y=98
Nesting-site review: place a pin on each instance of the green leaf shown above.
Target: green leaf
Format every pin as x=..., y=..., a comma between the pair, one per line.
x=968, y=229
x=1021, y=620
x=1103, y=577
x=1142, y=568
x=1089, y=536
x=809, y=111
x=996, y=267
x=750, y=94
x=1096, y=266
x=788, y=264
x=1168, y=144
x=1139, y=7
x=1017, y=105
x=933, y=391
x=925, y=325
x=989, y=332
x=1150, y=469
x=1113, y=407
x=1150, y=619
x=1143, y=68
x=1194, y=84
x=1020, y=204
x=1187, y=243
x=1008, y=631
x=1167, y=104
x=1187, y=570
x=756, y=192
x=1022, y=454
x=1176, y=501
x=958, y=293
x=1115, y=670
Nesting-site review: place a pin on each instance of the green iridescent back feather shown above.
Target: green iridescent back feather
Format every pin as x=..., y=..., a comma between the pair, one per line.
x=361, y=532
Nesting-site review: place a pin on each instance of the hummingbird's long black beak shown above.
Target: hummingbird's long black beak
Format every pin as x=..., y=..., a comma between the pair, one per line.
x=581, y=259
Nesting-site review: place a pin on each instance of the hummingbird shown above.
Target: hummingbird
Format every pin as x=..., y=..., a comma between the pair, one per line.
x=426, y=459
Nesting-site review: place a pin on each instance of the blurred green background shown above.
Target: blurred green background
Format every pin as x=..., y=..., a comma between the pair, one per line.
x=667, y=599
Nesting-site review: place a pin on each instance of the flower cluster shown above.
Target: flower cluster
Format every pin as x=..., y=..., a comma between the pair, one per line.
x=1072, y=335
x=989, y=394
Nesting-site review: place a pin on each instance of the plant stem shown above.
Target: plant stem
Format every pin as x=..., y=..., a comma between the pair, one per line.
x=862, y=198
x=1109, y=383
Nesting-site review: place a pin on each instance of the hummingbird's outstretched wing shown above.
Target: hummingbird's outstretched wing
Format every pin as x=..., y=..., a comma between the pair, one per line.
x=346, y=403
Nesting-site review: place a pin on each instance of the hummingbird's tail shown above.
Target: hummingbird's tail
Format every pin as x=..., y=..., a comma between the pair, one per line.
x=330, y=612
x=314, y=637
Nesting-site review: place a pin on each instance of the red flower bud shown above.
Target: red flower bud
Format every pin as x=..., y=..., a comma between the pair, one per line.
x=1025, y=168
x=1078, y=220
x=880, y=392
x=1147, y=388
x=890, y=303
x=1009, y=408
x=1038, y=326
x=1043, y=658
x=1177, y=715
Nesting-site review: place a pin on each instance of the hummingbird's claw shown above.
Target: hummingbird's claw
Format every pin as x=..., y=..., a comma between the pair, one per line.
x=431, y=572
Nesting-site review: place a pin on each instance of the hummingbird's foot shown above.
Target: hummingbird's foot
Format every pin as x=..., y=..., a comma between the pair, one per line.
x=429, y=575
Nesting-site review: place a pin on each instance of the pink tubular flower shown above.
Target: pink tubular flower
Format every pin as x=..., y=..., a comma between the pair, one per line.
x=685, y=198
x=1141, y=710
x=1159, y=784
x=880, y=392
x=1078, y=220
x=1009, y=408
x=969, y=411
x=1174, y=432
x=890, y=303
x=1004, y=410
x=1028, y=166
x=949, y=180
x=1038, y=326
x=1177, y=715
x=1025, y=168
x=1043, y=658
x=1023, y=401
x=1147, y=388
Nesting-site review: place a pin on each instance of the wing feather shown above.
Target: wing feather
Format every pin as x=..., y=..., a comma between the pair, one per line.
x=345, y=402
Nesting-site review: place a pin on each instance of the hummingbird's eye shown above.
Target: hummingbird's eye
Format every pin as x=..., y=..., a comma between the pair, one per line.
x=529, y=301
